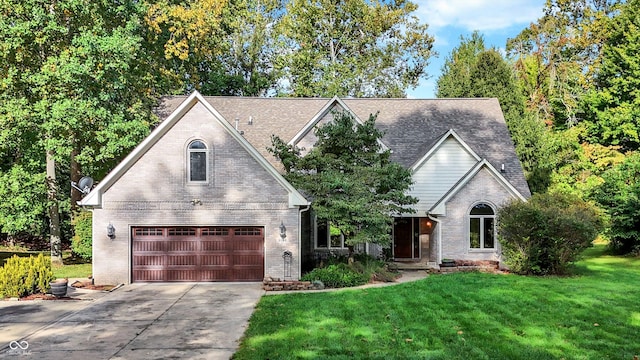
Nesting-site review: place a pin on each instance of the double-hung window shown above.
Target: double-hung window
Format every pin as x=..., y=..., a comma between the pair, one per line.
x=482, y=227
x=198, y=162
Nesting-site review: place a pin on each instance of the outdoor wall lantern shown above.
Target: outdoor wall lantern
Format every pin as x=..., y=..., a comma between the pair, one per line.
x=283, y=231
x=111, y=231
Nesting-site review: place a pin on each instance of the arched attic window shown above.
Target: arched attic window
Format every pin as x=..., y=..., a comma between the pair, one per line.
x=197, y=169
x=482, y=234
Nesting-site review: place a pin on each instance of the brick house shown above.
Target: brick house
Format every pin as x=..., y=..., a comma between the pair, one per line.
x=201, y=198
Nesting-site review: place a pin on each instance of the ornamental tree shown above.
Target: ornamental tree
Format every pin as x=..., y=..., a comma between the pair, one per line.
x=351, y=179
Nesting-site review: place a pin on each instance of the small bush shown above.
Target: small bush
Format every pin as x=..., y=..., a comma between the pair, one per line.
x=340, y=272
x=546, y=234
x=337, y=276
x=81, y=242
x=22, y=276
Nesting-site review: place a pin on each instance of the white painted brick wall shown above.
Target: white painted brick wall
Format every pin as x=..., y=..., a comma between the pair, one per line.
x=484, y=187
x=154, y=192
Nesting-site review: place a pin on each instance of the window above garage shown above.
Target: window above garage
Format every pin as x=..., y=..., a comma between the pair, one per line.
x=198, y=162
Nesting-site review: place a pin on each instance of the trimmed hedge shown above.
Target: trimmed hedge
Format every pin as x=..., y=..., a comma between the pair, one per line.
x=22, y=276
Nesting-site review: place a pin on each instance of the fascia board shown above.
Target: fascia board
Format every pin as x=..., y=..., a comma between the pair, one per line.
x=314, y=120
x=94, y=198
x=321, y=114
x=439, y=207
x=295, y=198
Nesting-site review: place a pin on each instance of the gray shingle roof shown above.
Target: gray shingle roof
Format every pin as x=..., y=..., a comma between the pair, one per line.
x=411, y=126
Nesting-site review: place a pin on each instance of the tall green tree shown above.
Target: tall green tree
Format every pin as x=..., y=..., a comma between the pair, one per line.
x=614, y=102
x=455, y=78
x=556, y=57
x=77, y=93
x=620, y=195
x=355, y=186
x=471, y=70
x=354, y=48
x=217, y=47
x=186, y=42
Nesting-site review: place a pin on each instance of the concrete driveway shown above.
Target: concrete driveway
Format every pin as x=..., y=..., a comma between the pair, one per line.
x=138, y=321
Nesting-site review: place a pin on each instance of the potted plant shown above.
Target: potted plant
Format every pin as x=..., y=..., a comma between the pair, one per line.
x=59, y=287
x=448, y=263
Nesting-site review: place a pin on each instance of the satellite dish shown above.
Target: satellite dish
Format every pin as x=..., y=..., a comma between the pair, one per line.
x=84, y=185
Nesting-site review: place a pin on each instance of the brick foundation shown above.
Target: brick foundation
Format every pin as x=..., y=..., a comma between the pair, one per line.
x=471, y=265
x=275, y=284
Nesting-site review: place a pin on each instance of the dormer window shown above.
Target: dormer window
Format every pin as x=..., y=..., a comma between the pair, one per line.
x=198, y=164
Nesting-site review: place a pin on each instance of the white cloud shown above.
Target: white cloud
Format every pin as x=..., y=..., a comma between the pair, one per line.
x=482, y=15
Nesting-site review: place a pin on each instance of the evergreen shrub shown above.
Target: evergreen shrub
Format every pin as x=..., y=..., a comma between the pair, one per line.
x=22, y=276
x=82, y=240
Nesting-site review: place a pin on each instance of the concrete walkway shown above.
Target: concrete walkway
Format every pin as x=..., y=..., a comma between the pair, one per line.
x=139, y=321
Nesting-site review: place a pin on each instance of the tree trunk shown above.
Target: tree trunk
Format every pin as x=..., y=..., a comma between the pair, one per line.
x=75, y=177
x=54, y=213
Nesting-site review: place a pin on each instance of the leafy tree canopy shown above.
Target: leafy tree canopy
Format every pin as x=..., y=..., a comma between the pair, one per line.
x=354, y=48
x=619, y=193
x=77, y=89
x=614, y=102
x=354, y=184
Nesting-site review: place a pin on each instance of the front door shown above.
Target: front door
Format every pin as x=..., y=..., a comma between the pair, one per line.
x=403, y=238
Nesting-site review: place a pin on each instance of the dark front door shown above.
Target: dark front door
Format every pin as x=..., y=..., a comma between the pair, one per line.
x=402, y=239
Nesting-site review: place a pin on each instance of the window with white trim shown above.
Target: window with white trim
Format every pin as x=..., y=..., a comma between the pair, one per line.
x=482, y=220
x=197, y=169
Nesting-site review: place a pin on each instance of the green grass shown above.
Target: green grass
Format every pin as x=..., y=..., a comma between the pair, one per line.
x=594, y=314
x=72, y=267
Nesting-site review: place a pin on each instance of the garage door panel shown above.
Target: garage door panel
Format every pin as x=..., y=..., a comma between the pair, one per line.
x=149, y=245
x=181, y=275
x=150, y=275
x=215, y=260
x=198, y=254
x=149, y=261
x=182, y=260
x=215, y=245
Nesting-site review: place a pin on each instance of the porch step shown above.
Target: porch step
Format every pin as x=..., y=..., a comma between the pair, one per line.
x=412, y=266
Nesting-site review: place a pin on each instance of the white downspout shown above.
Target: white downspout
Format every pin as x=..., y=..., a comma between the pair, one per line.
x=439, y=237
x=300, y=238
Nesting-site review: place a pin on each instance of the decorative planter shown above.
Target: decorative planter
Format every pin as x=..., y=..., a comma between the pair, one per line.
x=59, y=287
x=448, y=263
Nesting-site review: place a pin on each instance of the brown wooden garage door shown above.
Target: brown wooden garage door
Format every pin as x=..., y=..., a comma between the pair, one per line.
x=198, y=254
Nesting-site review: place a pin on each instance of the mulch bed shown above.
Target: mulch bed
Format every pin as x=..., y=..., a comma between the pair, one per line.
x=45, y=297
x=77, y=284
x=90, y=286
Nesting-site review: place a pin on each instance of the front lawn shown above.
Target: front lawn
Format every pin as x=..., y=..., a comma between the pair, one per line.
x=593, y=315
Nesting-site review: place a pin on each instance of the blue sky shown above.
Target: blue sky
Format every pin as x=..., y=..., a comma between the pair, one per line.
x=497, y=20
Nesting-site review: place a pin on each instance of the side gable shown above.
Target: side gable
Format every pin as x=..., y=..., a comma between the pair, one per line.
x=440, y=209
x=305, y=138
x=326, y=110
x=440, y=169
x=94, y=198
